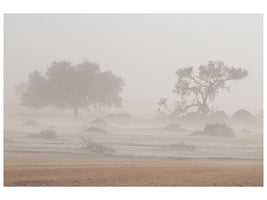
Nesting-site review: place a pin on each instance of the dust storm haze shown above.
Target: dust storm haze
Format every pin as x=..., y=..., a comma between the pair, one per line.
x=182, y=91
x=145, y=50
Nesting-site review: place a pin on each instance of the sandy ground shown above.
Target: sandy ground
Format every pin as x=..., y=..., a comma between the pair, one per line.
x=32, y=169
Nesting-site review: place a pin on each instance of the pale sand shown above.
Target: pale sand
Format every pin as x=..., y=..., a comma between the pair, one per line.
x=28, y=169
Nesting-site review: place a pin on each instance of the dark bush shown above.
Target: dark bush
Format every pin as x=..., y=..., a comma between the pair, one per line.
x=180, y=145
x=94, y=147
x=47, y=133
x=220, y=130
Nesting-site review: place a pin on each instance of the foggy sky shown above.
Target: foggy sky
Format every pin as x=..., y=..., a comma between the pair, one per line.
x=144, y=49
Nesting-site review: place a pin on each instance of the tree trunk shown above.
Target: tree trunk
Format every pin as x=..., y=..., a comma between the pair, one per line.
x=75, y=111
x=204, y=108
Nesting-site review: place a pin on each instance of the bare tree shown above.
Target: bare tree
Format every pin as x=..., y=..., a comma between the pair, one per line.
x=197, y=89
x=65, y=86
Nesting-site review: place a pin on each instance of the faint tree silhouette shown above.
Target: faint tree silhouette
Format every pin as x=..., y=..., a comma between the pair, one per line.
x=78, y=87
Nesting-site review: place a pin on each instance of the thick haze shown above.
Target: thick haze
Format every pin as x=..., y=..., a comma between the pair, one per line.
x=144, y=49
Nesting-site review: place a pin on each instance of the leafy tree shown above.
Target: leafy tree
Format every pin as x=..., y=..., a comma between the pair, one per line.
x=197, y=89
x=67, y=86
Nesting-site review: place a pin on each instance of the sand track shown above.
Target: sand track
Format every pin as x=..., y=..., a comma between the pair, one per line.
x=131, y=172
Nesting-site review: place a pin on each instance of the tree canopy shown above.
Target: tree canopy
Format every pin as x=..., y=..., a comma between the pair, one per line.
x=65, y=86
x=196, y=89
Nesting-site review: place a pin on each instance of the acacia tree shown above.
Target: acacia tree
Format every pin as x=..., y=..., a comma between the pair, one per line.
x=197, y=89
x=72, y=86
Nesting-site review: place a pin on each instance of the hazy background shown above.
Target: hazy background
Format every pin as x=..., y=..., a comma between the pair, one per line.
x=144, y=49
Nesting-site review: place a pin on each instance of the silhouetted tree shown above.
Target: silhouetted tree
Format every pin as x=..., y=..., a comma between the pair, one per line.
x=197, y=89
x=66, y=86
